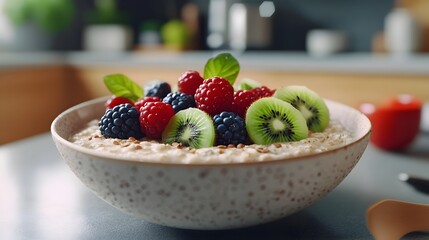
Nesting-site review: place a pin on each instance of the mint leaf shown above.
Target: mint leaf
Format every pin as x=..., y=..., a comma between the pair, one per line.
x=249, y=84
x=121, y=86
x=223, y=65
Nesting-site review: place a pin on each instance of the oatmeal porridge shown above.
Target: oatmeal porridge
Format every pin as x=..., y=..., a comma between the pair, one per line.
x=333, y=137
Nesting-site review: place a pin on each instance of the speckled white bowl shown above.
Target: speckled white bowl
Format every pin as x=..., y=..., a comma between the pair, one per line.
x=215, y=196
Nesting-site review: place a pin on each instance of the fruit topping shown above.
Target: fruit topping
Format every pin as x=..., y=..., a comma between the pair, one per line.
x=207, y=112
x=154, y=116
x=190, y=127
x=242, y=101
x=115, y=101
x=157, y=89
x=140, y=103
x=121, y=121
x=263, y=91
x=179, y=101
x=214, y=96
x=189, y=81
x=309, y=103
x=271, y=120
x=230, y=129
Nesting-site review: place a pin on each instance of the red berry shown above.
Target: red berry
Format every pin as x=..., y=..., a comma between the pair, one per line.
x=263, y=91
x=242, y=101
x=145, y=100
x=154, y=116
x=115, y=101
x=189, y=81
x=214, y=95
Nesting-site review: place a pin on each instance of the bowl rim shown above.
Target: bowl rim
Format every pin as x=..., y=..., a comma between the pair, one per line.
x=110, y=157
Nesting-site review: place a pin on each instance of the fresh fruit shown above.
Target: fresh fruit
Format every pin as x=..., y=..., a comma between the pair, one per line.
x=154, y=116
x=395, y=123
x=271, y=120
x=263, y=91
x=309, y=103
x=230, y=129
x=157, y=89
x=190, y=127
x=189, y=81
x=121, y=121
x=214, y=95
x=179, y=101
x=242, y=101
x=115, y=101
x=185, y=116
x=140, y=103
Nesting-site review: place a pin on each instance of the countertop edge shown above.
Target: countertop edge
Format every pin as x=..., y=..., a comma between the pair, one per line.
x=350, y=63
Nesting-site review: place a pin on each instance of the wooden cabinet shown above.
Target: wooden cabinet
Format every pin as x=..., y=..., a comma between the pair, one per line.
x=30, y=98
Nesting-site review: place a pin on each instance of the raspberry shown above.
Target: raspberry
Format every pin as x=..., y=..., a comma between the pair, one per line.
x=154, y=116
x=145, y=100
x=214, y=95
x=179, y=101
x=230, y=129
x=189, y=81
x=157, y=89
x=115, y=101
x=263, y=91
x=242, y=101
x=121, y=121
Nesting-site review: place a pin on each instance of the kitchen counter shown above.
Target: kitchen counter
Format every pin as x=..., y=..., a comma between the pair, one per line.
x=268, y=61
x=41, y=199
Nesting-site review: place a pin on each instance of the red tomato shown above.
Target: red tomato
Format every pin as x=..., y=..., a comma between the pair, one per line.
x=396, y=123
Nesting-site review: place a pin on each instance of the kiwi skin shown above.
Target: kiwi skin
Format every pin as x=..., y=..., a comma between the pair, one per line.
x=309, y=103
x=266, y=114
x=204, y=136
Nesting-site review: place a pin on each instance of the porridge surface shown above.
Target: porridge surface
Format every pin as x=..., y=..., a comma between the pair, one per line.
x=153, y=151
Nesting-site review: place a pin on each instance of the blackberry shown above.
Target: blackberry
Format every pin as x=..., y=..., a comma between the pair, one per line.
x=230, y=129
x=179, y=101
x=157, y=89
x=122, y=121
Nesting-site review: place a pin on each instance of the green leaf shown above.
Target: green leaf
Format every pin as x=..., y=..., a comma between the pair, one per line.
x=249, y=84
x=223, y=65
x=121, y=86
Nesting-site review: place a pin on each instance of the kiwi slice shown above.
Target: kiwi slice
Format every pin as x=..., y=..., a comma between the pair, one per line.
x=309, y=103
x=191, y=127
x=270, y=120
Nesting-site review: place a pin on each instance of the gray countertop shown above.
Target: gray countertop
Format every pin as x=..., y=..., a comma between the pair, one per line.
x=268, y=61
x=40, y=198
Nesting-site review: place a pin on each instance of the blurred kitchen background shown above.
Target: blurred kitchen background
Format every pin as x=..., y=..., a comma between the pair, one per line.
x=55, y=53
x=287, y=25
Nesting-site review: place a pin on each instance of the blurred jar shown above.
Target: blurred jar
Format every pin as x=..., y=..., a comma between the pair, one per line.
x=402, y=33
x=321, y=42
x=107, y=38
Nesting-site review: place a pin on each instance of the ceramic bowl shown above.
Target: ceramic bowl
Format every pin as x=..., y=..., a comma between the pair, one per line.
x=209, y=196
